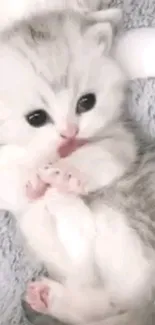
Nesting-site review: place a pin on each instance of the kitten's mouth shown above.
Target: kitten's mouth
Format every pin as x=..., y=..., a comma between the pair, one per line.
x=70, y=146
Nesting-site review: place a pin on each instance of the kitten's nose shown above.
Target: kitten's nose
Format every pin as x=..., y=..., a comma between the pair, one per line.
x=70, y=132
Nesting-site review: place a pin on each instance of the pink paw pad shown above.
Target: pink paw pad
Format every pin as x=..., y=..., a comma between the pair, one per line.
x=37, y=296
x=36, y=188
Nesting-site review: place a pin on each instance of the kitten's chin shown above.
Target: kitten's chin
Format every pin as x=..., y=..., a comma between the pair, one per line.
x=70, y=146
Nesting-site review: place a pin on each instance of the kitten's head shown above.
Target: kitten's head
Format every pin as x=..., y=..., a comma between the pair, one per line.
x=58, y=81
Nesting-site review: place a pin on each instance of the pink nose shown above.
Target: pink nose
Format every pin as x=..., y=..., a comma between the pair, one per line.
x=70, y=132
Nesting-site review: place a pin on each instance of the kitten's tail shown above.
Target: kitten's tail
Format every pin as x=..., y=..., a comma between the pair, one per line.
x=135, y=51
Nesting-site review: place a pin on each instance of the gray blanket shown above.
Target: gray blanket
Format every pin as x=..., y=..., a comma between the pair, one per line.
x=16, y=267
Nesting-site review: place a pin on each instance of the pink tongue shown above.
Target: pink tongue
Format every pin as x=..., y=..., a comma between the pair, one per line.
x=67, y=148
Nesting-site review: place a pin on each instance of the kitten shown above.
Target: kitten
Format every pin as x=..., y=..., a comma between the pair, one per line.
x=65, y=90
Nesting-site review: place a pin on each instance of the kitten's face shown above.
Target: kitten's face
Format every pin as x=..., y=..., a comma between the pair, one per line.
x=59, y=88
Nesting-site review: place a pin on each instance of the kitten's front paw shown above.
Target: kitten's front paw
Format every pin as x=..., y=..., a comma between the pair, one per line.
x=64, y=178
x=35, y=188
x=37, y=296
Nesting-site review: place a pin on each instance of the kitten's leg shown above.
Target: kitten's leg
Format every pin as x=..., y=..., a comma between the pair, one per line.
x=72, y=305
x=83, y=305
x=75, y=223
x=76, y=230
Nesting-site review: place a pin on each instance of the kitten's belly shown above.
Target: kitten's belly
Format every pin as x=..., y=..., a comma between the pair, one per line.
x=58, y=245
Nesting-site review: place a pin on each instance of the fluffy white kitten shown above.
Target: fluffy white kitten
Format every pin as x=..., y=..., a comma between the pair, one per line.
x=64, y=90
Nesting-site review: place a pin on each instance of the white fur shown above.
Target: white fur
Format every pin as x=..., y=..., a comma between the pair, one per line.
x=64, y=233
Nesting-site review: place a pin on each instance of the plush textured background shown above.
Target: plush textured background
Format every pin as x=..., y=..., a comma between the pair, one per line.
x=16, y=268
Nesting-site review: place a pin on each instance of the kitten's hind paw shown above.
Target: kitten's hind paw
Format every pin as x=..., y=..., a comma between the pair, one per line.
x=37, y=296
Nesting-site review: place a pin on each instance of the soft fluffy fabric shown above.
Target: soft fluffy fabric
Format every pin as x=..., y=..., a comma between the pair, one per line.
x=16, y=266
x=141, y=101
x=16, y=269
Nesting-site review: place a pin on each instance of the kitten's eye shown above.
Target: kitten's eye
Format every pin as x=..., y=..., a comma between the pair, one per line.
x=85, y=103
x=37, y=118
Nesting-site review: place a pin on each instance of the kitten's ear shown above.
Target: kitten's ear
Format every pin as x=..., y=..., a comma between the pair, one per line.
x=113, y=16
x=103, y=25
x=101, y=33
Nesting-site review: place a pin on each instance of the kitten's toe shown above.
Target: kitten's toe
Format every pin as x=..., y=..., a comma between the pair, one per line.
x=63, y=177
x=35, y=188
x=74, y=182
x=51, y=175
x=37, y=296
